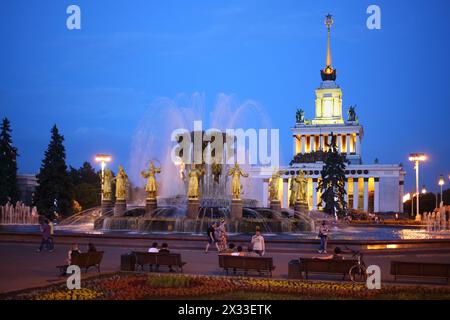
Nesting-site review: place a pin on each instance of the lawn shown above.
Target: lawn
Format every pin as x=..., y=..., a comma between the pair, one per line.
x=141, y=286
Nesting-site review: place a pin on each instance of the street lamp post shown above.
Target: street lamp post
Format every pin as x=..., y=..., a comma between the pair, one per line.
x=417, y=158
x=441, y=183
x=103, y=159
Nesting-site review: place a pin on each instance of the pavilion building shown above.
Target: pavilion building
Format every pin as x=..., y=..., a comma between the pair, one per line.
x=370, y=187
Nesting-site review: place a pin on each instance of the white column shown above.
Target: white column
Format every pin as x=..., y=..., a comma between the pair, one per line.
x=285, y=193
x=355, y=193
x=294, y=145
x=348, y=138
x=358, y=144
x=339, y=142
x=366, y=194
x=321, y=145
x=376, y=195
x=312, y=142
x=303, y=144
x=314, y=194
x=402, y=191
x=265, y=197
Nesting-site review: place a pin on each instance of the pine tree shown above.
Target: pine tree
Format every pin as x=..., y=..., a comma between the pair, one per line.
x=332, y=184
x=55, y=189
x=9, y=189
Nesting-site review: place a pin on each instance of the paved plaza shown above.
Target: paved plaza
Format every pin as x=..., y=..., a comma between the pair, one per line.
x=22, y=267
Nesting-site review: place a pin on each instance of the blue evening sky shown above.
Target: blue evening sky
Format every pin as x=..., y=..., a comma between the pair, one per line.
x=97, y=83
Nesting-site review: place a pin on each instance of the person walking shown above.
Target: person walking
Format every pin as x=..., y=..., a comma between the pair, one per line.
x=323, y=236
x=45, y=241
x=258, y=244
x=52, y=230
x=222, y=235
x=211, y=237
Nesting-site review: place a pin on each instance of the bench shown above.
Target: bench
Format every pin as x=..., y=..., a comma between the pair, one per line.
x=84, y=260
x=159, y=259
x=420, y=270
x=260, y=264
x=328, y=266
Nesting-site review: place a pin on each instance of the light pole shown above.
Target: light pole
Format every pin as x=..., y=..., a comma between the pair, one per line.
x=416, y=158
x=103, y=159
x=441, y=183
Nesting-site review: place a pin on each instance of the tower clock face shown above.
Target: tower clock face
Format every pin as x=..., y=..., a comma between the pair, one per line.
x=327, y=108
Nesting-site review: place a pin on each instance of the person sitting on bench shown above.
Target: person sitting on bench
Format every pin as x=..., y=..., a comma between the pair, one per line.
x=165, y=249
x=73, y=251
x=238, y=252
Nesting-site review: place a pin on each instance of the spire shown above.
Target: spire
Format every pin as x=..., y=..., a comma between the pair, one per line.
x=328, y=73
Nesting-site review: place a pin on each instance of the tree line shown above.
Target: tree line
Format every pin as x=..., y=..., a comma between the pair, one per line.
x=61, y=189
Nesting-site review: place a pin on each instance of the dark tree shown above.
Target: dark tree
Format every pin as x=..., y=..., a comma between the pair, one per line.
x=9, y=189
x=87, y=186
x=332, y=184
x=55, y=190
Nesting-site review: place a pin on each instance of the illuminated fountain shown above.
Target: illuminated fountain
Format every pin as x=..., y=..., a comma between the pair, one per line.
x=175, y=211
x=18, y=214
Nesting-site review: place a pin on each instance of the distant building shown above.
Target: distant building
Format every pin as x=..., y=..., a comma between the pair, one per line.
x=370, y=187
x=27, y=185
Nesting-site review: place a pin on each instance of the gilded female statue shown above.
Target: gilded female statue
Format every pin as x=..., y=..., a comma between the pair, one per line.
x=301, y=187
x=121, y=184
x=152, y=187
x=274, y=186
x=294, y=191
x=193, y=190
x=107, y=184
x=236, y=172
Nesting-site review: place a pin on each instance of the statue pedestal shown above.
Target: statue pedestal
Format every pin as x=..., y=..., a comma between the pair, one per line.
x=192, y=209
x=275, y=205
x=236, y=209
x=150, y=205
x=300, y=207
x=107, y=206
x=120, y=207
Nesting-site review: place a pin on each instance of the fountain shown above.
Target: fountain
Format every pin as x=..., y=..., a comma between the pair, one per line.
x=18, y=214
x=189, y=197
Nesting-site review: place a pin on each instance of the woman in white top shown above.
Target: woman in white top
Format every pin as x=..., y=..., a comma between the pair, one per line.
x=258, y=244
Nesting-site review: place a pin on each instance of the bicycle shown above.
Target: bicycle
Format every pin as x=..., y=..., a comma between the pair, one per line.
x=357, y=272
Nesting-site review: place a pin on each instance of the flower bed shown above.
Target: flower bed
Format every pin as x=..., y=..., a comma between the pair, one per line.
x=138, y=286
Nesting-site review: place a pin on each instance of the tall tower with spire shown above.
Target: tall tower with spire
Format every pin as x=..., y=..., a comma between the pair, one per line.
x=328, y=95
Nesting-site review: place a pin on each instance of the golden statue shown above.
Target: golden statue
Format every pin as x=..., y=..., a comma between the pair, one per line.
x=107, y=180
x=236, y=187
x=274, y=186
x=121, y=184
x=193, y=189
x=151, y=186
x=216, y=171
x=181, y=171
x=302, y=184
x=294, y=191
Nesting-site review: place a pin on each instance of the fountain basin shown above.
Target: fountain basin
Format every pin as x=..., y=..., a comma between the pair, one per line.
x=183, y=224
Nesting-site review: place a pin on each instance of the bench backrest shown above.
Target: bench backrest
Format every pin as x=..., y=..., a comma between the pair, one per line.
x=87, y=259
x=155, y=258
x=328, y=265
x=242, y=262
x=420, y=269
x=143, y=258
